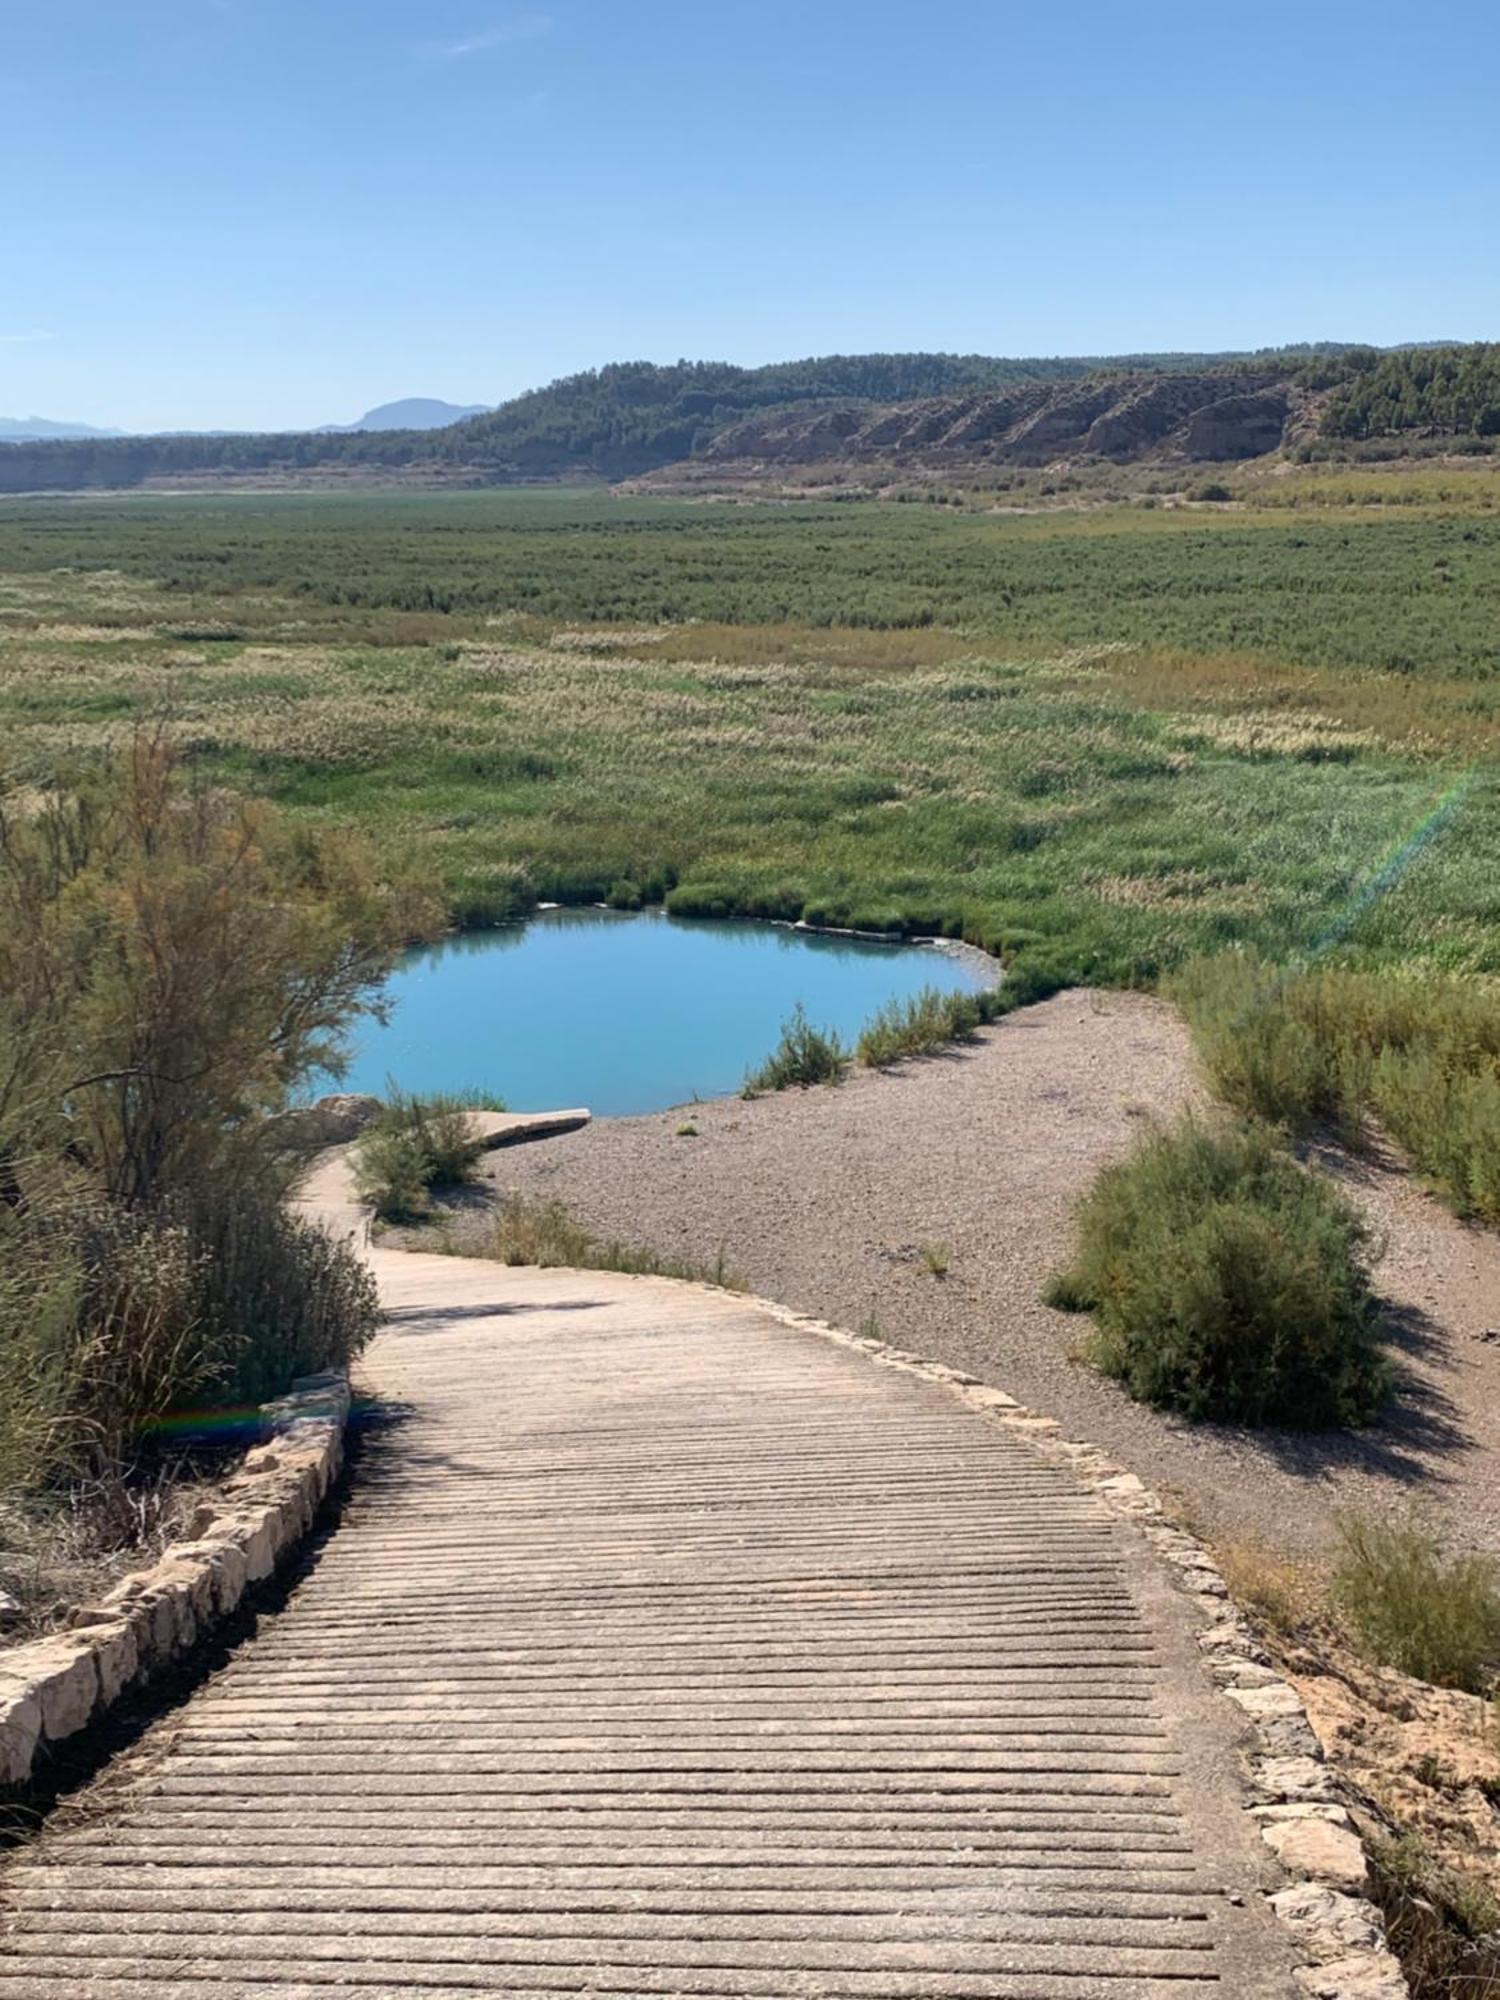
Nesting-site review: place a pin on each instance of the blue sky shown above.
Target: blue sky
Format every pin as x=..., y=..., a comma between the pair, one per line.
x=278, y=212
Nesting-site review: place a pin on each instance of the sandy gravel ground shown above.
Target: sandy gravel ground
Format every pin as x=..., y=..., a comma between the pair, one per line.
x=824, y=1200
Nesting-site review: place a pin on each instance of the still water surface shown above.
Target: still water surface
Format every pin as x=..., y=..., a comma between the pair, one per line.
x=624, y=1012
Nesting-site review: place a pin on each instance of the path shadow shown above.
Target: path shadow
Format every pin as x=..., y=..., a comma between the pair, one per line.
x=416, y=1316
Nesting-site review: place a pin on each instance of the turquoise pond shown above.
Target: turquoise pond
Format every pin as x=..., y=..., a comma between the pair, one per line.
x=624, y=1012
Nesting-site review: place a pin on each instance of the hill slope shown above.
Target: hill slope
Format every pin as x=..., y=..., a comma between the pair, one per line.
x=1119, y=416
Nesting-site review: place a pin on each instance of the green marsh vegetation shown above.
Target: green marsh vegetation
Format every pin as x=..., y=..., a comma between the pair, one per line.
x=922, y=1025
x=1096, y=741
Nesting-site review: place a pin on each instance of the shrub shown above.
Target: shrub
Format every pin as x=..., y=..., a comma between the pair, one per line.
x=276, y=1297
x=1211, y=489
x=928, y=1021
x=129, y=1317
x=110, y=1339
x=1228, y=1283
x=173, y=964
x=390, y=1173
x=805, y=1055
x=415, y=1145
x=1433, y=1615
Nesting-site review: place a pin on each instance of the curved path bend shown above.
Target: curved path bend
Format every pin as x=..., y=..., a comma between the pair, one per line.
x=667, y=1649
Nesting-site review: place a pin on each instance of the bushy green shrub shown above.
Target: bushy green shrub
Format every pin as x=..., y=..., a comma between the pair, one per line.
x=1331, y=1045
x=1419, y=1609
x=1228, y=1283
x=417, y=1144
x=805, y=1055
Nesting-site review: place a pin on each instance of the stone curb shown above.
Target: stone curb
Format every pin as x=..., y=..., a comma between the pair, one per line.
x=1301, y=1810
x=52, y=1687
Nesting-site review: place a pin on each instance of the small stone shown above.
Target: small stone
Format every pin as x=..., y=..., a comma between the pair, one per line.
x=1363, y=1976
x=1329, y=1924
x=1244, y=1674
x=20, y=1729
x=1294, y=1778
x=992, y=1399
x=116, y=1657
x=65, y=1681
x=1301, y=1809
x=1317, y=1847
x=1266, y=1704
x=1288, y=1736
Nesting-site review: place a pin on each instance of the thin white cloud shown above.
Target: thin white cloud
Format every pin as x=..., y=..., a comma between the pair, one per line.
x=24, y=339
x=519, y=28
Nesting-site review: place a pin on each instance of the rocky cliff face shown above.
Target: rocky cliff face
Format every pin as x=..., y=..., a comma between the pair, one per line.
x=1122, y=417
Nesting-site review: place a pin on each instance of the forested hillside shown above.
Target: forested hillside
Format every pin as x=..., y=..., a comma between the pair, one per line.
x=1448, y=390
x=637, y=417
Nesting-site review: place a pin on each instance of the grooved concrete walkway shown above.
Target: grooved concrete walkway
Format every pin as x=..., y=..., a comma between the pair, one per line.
x=668, y=1650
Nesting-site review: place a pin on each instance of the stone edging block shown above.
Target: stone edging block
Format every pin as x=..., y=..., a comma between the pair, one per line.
x=52, y=1687
x=1294, y=1798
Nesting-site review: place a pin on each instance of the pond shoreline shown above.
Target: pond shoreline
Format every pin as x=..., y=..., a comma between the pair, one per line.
x=974, y=956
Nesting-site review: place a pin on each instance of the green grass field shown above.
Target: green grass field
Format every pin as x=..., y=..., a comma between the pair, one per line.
x=1101, y=738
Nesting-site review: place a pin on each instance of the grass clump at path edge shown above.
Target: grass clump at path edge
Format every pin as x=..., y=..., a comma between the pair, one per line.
x=1227, y=1283
x=530, y=1230
x=1417, y=1608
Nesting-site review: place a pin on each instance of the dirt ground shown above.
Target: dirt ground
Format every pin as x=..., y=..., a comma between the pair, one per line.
x=844, y=1202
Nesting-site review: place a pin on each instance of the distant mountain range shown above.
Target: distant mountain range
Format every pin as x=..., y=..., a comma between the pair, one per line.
x=719, y=425
x=413, y=413
x=29, y=429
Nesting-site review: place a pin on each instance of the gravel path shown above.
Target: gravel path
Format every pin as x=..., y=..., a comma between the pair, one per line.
x=825, y=1200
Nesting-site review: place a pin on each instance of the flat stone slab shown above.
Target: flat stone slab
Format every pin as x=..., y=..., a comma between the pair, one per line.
x=667, y=1648
x=510, y=1128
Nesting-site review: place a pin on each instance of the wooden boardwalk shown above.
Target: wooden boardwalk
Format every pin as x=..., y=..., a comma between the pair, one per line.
x=665, y=1649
